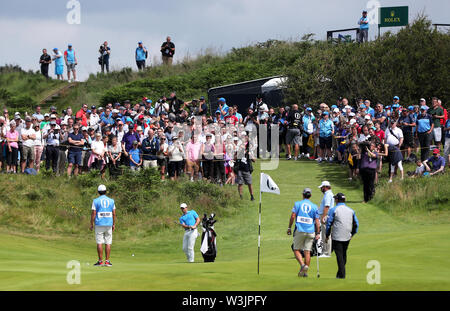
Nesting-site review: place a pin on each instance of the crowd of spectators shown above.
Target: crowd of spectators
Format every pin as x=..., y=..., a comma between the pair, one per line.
x=183, y=139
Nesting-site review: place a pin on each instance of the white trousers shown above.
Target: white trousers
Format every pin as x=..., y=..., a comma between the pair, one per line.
x=189, y=243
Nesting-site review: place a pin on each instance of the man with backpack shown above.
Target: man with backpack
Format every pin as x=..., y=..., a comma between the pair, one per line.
x=141, y=55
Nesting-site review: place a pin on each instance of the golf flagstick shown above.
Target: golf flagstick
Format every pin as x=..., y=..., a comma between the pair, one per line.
x=266, y=185
x=259, y=228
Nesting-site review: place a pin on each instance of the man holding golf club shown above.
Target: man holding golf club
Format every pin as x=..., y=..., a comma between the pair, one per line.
x=345, y=225
x=189, y=221
x=326, y=203
x=306, y=217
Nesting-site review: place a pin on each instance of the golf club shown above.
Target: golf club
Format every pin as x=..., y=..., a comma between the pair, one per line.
x=317, y=249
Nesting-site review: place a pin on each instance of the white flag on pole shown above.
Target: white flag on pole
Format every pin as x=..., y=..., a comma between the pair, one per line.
x=268, y=185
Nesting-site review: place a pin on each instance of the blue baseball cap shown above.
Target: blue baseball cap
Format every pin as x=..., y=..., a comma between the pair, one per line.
x=222, y=99
x=363, y=106
x=388, y=107
x=129, y=119
x=69, y=44
x=202, y=97
x=411, y=108
x=55, y=49
x=334, y=106
x=325, y=113
x=309, y=109
x=149, y=101
x=396, y=97
x=140, y=42
x=88, y=111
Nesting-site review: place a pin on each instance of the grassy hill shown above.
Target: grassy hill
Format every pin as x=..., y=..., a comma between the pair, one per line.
x=318, y=71
x=411, y=245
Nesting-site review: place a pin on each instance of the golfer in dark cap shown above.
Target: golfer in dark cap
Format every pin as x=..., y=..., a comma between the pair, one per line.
x=306, y=217
x=345, y=225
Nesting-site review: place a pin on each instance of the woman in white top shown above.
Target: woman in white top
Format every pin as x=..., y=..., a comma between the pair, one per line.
x=98, y=153
x=38, y=147
x=176, y=152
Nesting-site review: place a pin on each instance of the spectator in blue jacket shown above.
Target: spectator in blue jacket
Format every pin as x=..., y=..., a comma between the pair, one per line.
x=141, y=55
x=150, y=146
x=363, y=28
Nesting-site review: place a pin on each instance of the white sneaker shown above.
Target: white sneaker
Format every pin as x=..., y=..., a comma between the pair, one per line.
x=390, y=180
x=324, y=256
x=305, y=271
x=307, y=156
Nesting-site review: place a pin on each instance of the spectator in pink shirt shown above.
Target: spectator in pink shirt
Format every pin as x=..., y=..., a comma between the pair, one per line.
x=193, y=154
x=12, y=137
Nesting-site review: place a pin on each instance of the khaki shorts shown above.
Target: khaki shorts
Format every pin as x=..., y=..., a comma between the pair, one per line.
x=103, y=234
x=27, y=153
x=193, y=166
x=303, y=241
x=149, y=163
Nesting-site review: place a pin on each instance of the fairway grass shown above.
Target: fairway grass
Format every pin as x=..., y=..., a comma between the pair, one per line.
x=412, y=253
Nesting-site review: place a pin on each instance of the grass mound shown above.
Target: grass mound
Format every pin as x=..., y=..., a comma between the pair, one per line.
x=145, y=205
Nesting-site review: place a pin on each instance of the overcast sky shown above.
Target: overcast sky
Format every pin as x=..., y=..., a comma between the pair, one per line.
x=27, y=26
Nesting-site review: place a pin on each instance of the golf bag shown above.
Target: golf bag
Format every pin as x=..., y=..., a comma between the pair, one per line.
x=317, y=248
x=208, y=247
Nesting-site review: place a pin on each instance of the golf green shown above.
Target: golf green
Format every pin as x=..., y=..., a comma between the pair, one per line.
x=412, y=254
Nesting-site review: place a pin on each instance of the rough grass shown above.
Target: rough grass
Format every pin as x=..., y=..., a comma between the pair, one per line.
x=56, y=205
x=426, y=194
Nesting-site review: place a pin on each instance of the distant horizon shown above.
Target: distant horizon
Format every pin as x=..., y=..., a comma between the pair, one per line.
x=29, y=26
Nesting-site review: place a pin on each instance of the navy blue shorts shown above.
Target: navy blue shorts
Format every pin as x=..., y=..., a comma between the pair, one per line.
x=74, y=157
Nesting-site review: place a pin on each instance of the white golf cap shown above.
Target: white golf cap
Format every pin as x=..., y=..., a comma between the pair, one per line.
x=101, y=188
x=336, y=110
x=351, y=114
x=367, y=117
x=352, y=121
x=347, y=107
x=183, y=205
x=53, y=116
x=325, y=184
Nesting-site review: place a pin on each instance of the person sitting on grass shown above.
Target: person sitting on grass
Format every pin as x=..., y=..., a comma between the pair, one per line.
x=420, y=170
x=437, y=161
